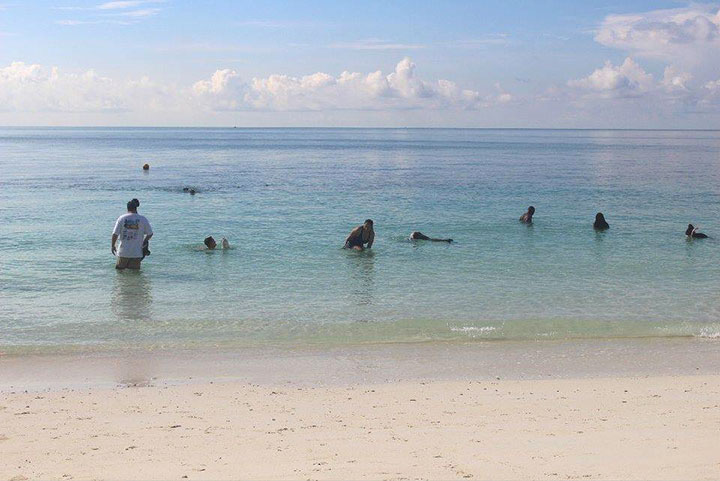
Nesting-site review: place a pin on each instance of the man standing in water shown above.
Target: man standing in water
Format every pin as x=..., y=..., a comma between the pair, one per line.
x=134, y=231
x=361, y=235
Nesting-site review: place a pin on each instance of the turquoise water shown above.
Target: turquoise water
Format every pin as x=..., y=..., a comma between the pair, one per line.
x=286, y=199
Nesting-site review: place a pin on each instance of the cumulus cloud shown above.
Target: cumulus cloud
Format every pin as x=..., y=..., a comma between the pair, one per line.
x=679, y=34
x=674, y=80
x=35, y=88
x=625, y=80
x=400, y=89
x=25, y=87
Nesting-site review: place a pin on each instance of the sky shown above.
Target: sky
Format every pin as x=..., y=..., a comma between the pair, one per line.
x=560, y=64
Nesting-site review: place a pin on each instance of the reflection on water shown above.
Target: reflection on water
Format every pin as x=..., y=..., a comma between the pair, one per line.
x=132, y=296
x=361, y=276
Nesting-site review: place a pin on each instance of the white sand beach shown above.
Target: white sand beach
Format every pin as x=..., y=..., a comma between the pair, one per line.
x=578, y=427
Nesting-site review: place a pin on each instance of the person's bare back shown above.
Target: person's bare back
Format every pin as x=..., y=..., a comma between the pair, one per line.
x=360, y=236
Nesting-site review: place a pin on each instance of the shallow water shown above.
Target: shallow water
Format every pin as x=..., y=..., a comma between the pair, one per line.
x=286, y=199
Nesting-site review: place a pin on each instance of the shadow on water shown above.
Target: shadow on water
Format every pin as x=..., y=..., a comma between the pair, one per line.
x=361, y=276
x=132, y=296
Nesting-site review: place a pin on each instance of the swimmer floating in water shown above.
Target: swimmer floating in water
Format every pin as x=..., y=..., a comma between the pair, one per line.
x=211, y=244
x=361, y=235
x=692, y=232
x=600, y=223
x=526, y=218
x=420, y=236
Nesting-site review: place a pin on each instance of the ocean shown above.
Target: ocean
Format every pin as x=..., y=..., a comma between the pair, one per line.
x=287, y=198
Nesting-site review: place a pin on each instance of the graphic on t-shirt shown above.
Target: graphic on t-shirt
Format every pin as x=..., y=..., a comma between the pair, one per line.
x=129, y=226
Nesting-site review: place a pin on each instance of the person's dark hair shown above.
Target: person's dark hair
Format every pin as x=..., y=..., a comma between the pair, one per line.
x=368, y=221
x=600, y=222
x=531, y=209
x=209, y=241
x=131, y=206
x=689, y=229
x=136, y=202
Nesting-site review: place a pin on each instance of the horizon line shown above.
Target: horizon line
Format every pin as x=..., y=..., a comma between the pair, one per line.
x=349, y=128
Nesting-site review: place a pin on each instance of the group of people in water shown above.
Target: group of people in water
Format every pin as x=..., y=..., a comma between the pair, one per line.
x=363, y=236
x=133, y=231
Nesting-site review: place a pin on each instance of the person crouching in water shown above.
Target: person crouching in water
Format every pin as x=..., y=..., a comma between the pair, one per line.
x=211, y=244
x=360, y=236
x=134, y=231
x=420, y=236
x=526, y=218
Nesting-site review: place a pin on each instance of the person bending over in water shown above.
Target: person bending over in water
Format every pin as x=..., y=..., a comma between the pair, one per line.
x=526, y=218
x=420, y=236
x=600, y=223
x=361, y=235
x=211, y=244
x=692, y=232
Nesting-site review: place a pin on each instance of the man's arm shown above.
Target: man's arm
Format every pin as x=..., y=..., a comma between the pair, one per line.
x=371, y=239
x=112, y=243
x=148, y=231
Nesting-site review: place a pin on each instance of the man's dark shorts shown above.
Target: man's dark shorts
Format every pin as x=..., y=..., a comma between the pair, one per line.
x=128, y=263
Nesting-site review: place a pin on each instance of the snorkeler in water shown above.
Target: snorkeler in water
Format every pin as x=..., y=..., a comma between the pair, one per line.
x=211, y=244
x=415, y=235
x=692, y=232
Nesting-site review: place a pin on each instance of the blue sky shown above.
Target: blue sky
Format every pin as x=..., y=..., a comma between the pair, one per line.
x=515, y=64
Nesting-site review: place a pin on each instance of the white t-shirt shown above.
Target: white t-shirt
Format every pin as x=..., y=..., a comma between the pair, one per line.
x=131, y=230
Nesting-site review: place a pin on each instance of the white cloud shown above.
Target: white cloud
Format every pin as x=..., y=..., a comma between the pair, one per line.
x=25, y=87
x=123, y=12
x=483, y=41
x=35, y=88
x=713, y=86
x=401, y=89
x=683, y=34
x=675, y=80
x=120, y=4
x=625, y=80
x=145, y=12
x=376, y=44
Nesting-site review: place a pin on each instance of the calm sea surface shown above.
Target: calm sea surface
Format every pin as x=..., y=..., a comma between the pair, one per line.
x=286, y=199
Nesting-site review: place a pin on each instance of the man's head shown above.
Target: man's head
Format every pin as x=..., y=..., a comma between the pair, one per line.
x=210, y=242
x=368, y=223
x=531, y=210
x=133, y=205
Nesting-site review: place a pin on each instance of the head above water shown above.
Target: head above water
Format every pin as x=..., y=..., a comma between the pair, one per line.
x=210, y=242
x=690, y=229
x=531, y=210
x=599, y=217
x=368, y=223
x=133, y=205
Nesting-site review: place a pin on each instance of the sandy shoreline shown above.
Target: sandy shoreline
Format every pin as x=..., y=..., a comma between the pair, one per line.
x=250, y=422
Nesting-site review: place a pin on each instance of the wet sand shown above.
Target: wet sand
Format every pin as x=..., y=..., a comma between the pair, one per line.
x=373, y=412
